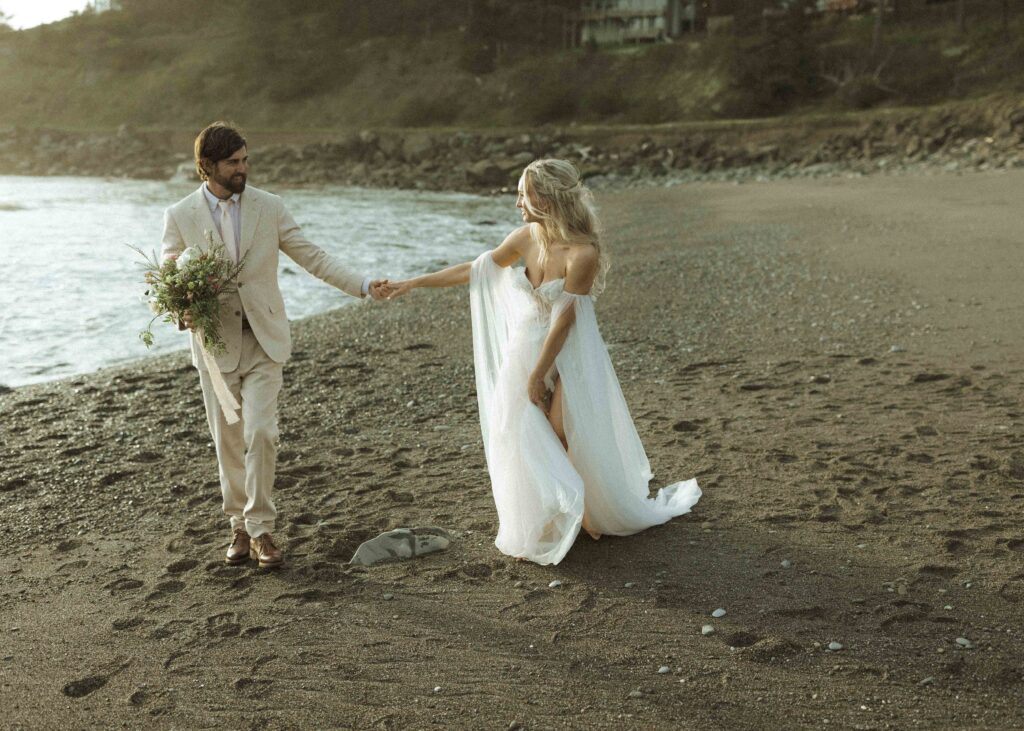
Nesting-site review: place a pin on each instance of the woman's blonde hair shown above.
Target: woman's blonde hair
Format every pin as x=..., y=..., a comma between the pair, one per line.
x=563, y=207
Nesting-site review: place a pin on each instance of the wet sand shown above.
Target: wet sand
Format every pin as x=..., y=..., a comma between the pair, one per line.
x=841, y=365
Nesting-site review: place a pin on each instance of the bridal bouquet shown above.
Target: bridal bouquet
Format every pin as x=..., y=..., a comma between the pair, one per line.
x=193, y=281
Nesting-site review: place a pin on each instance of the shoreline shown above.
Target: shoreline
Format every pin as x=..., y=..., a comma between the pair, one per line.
x=983, y=134
x=861, y=461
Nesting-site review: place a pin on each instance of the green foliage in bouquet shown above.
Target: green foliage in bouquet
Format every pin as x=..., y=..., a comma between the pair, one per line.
x=194, y=281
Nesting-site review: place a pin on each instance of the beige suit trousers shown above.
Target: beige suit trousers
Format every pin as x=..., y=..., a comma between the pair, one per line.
x=247, y=450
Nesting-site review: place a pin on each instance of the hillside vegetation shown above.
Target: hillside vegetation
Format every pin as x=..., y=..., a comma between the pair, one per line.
x=316, y=64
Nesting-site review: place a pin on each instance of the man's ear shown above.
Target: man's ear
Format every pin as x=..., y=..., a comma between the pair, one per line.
x=206, y=165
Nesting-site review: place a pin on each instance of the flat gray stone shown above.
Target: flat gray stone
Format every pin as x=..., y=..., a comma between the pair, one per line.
x=401, y=544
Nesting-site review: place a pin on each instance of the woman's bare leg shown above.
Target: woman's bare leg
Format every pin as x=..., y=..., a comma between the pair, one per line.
x=555, y=414
x=555, y=417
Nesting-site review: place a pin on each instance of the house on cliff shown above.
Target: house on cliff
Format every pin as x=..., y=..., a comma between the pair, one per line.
x=102, y=6
x=618, y=22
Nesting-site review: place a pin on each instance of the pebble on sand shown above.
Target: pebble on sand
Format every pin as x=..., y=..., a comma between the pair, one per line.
x=787, y=564
x=664, y=670
x=707, y=630
x=554, y=584
x=718, y=613
x=835, y=646
x=965, y=643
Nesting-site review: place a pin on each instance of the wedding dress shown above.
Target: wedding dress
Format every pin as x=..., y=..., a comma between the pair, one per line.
x=540, y=490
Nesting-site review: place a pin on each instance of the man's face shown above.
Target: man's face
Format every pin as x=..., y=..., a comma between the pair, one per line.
x=232, y=172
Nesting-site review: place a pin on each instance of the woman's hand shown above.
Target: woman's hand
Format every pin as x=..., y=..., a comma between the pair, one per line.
x=397, y=289
x=538, y=391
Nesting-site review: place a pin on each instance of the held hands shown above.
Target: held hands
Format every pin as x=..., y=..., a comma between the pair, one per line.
x=384, y=289
x=185, y=323
x=379, y=289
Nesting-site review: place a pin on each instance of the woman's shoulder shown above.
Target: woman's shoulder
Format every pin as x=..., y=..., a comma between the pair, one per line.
x=582, y=256
x=519, y=236
x=582, y=261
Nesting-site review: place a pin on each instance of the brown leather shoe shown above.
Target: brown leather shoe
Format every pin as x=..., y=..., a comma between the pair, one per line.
x=238, y=552
x=263, y=550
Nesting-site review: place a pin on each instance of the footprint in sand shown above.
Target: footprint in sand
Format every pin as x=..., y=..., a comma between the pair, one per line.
x=1013, y=589
x=115, y=477
x=85, y=686
x=928, y=377
x=165, y=589
x=242, y=583
x=252, y=687
x=178, y=567
x=399, y=497
x=72, y=566
x=225, y=624
x=13, y=484
x=686, y=426
x=124, y=585
x=126, y=623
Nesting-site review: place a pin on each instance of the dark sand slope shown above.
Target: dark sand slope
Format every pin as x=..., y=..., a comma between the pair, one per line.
x=855, y=492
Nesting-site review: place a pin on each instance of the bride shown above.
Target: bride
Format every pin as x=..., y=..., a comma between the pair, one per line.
x=561, y=447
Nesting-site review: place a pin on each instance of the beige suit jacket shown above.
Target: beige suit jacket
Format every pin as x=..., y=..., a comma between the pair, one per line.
x=267, y=228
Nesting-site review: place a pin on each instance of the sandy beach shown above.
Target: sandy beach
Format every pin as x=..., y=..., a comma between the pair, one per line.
x=840, y=363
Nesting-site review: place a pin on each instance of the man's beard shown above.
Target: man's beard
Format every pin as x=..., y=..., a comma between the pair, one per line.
x=235, y=184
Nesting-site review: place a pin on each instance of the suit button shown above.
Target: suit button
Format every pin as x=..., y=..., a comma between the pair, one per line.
x=238, y=313
x=241, y=284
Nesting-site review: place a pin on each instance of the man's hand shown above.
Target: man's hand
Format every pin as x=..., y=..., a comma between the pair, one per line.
x=380, y=289
x=186, y=321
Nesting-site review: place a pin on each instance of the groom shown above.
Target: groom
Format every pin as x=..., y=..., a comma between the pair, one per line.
x=255, y=225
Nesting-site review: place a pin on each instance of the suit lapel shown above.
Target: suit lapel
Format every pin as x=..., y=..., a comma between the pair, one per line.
x=250, y=214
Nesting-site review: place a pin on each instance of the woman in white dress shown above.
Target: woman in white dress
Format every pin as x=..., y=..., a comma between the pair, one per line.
x=561, y=448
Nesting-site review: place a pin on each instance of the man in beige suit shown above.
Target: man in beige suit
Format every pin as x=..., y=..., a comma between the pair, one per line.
x=252, y=224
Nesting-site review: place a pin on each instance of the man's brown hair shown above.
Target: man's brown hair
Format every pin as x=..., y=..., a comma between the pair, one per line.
x=217, y=142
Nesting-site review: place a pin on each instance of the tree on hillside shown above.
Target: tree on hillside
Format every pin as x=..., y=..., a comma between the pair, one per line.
x=5, y=24
x=774, y=56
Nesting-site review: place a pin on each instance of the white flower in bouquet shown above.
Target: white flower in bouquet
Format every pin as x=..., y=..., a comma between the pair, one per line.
x=185, y=257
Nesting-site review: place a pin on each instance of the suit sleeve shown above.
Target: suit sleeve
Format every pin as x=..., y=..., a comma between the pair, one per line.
x=172, y=242
x=312, y=258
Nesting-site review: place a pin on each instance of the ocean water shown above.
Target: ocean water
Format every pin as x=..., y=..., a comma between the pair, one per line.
x=71, y=289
